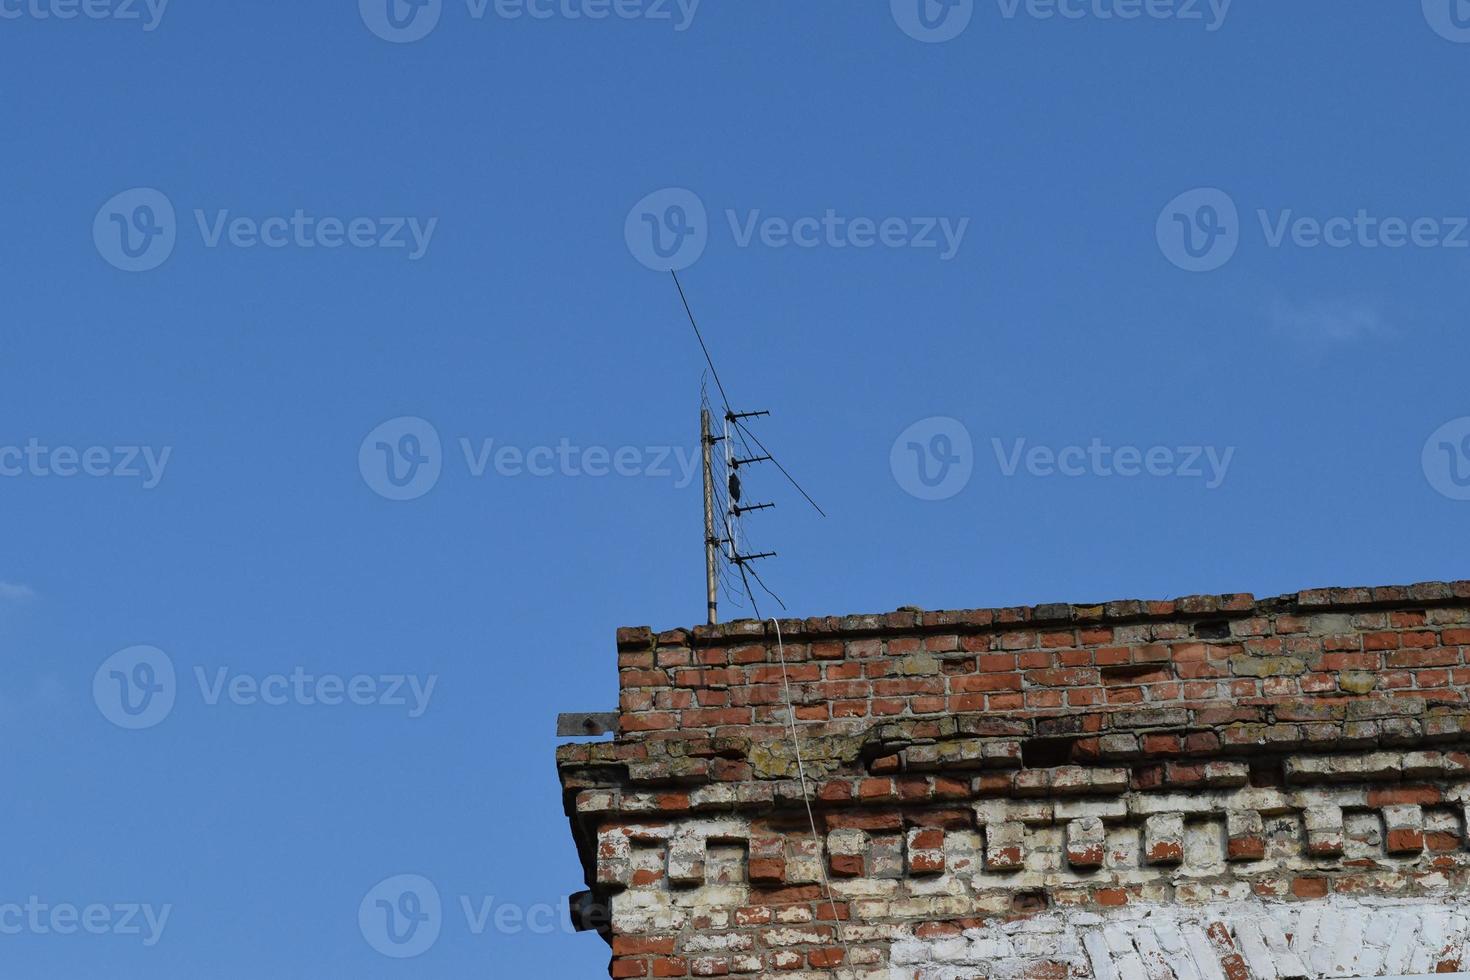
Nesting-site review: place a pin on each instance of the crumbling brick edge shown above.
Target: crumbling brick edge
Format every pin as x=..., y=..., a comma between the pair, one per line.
x=979, y=766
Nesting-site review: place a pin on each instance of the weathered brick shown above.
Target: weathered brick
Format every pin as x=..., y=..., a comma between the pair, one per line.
x=1163, y=838
x=1085, y=842
x=948, y=757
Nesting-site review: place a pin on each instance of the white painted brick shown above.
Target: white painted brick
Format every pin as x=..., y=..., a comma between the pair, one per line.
x=1100, y=957
x=1400, y=949
x=1288, y=964
x=1203, y=953
x=1337, y=936
x=1253, y=947
x=1349, y=943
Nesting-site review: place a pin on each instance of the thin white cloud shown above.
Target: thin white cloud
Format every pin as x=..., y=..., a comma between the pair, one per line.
x=1340, y=322
x=16, y=592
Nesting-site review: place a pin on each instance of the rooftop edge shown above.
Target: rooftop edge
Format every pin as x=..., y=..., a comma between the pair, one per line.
x=910, y=618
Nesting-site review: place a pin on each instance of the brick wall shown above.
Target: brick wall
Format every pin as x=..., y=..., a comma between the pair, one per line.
x=1080, y=773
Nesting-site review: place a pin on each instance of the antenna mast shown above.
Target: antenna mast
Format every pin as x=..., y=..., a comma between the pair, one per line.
x=711, y=540
x=725, y=544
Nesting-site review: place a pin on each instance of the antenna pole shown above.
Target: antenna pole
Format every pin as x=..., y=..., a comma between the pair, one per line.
x=711, y=541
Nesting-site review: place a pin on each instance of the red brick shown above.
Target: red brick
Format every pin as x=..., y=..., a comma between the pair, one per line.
x=877, y=789
x=628, y=968
x=1046, y=698
x=824, y=959
x=985, y=682
x=1439, y=657
x=1062, y=677
x=1304, y=887
x=1245, y=849
x=1398, y=795
x=624, y=945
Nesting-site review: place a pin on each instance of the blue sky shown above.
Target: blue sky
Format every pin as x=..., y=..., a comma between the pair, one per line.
x=227, y=413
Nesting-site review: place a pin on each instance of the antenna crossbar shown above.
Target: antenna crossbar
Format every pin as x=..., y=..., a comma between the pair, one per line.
x=742, y=559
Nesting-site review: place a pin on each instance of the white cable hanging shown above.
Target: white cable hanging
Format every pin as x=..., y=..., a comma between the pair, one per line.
x=806, y=796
